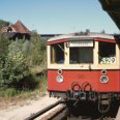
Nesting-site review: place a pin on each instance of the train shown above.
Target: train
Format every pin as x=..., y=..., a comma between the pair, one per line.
x=84, y=67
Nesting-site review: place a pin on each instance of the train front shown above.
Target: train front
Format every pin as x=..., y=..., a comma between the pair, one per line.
x=83, y=67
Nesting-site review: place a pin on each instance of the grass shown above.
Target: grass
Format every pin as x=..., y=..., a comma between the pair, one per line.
x=8, y=92
x=11, y=92
x=12, y=96
x=40, y=88
x=19, y=99
x=43, y=84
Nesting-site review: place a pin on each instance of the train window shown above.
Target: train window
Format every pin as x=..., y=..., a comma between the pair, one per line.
x=81, y=55
x=57, y=53
x=107, y=54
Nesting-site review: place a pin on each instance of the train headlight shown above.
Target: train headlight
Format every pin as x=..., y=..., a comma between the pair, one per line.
x=104, y=79
x=59, y=79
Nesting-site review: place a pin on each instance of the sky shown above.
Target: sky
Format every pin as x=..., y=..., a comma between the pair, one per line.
x=58, y=16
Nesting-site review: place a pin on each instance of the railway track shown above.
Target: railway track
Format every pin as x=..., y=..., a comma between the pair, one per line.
x=56, y=111
x=61, y=111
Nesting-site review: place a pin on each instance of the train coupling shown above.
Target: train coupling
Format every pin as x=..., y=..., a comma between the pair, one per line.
x=80, y=95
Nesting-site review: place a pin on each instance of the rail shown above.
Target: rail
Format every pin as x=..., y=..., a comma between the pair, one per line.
x=43, y=111
x=59, y=111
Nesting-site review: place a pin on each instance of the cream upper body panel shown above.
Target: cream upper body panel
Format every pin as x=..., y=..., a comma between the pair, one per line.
x=89, y=66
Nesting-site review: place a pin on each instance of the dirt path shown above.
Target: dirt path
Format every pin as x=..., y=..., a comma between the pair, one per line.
x=19, y=112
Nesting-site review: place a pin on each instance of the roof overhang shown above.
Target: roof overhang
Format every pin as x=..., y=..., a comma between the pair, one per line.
x=112, y=7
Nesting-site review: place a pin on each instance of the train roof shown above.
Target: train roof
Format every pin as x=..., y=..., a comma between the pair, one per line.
x=77, y=36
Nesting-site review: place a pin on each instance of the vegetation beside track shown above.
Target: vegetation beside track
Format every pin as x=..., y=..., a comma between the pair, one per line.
x=22, y=65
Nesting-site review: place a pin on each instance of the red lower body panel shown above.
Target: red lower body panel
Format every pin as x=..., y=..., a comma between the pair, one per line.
x=84, y=77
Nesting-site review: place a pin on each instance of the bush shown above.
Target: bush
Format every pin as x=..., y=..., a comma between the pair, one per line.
x=16, y=59
x=38, y=50
x=8, y=92
x=4, y=23
x=4, y=43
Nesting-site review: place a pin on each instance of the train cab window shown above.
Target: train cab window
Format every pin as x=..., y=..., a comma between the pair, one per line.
x=57, y=53
x=107, y=53
x=81, y=55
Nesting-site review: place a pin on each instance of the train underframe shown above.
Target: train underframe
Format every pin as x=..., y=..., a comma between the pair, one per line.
x=102, y=99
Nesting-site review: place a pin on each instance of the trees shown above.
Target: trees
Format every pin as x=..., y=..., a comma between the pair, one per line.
x=4, y=23
x=4, y=42
x=13, y=66
x=17, y=58
x=38, y=50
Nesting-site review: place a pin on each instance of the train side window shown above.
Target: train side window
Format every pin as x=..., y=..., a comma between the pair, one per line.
x=57, y=53
x=107, y=53
x=81, y=55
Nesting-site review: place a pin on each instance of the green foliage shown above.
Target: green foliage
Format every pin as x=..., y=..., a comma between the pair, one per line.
x=38, y=50
x=3, y=23
x=43, y=83
x=16, y=60
x=8, y=92
x=4, y=42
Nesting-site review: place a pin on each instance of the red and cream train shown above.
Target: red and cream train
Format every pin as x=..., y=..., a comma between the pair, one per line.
x=84, y=67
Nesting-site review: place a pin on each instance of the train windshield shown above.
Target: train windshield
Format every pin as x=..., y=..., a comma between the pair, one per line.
x=81, y=52
x=57, y=53
x=81, y=55
x=107, y=53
